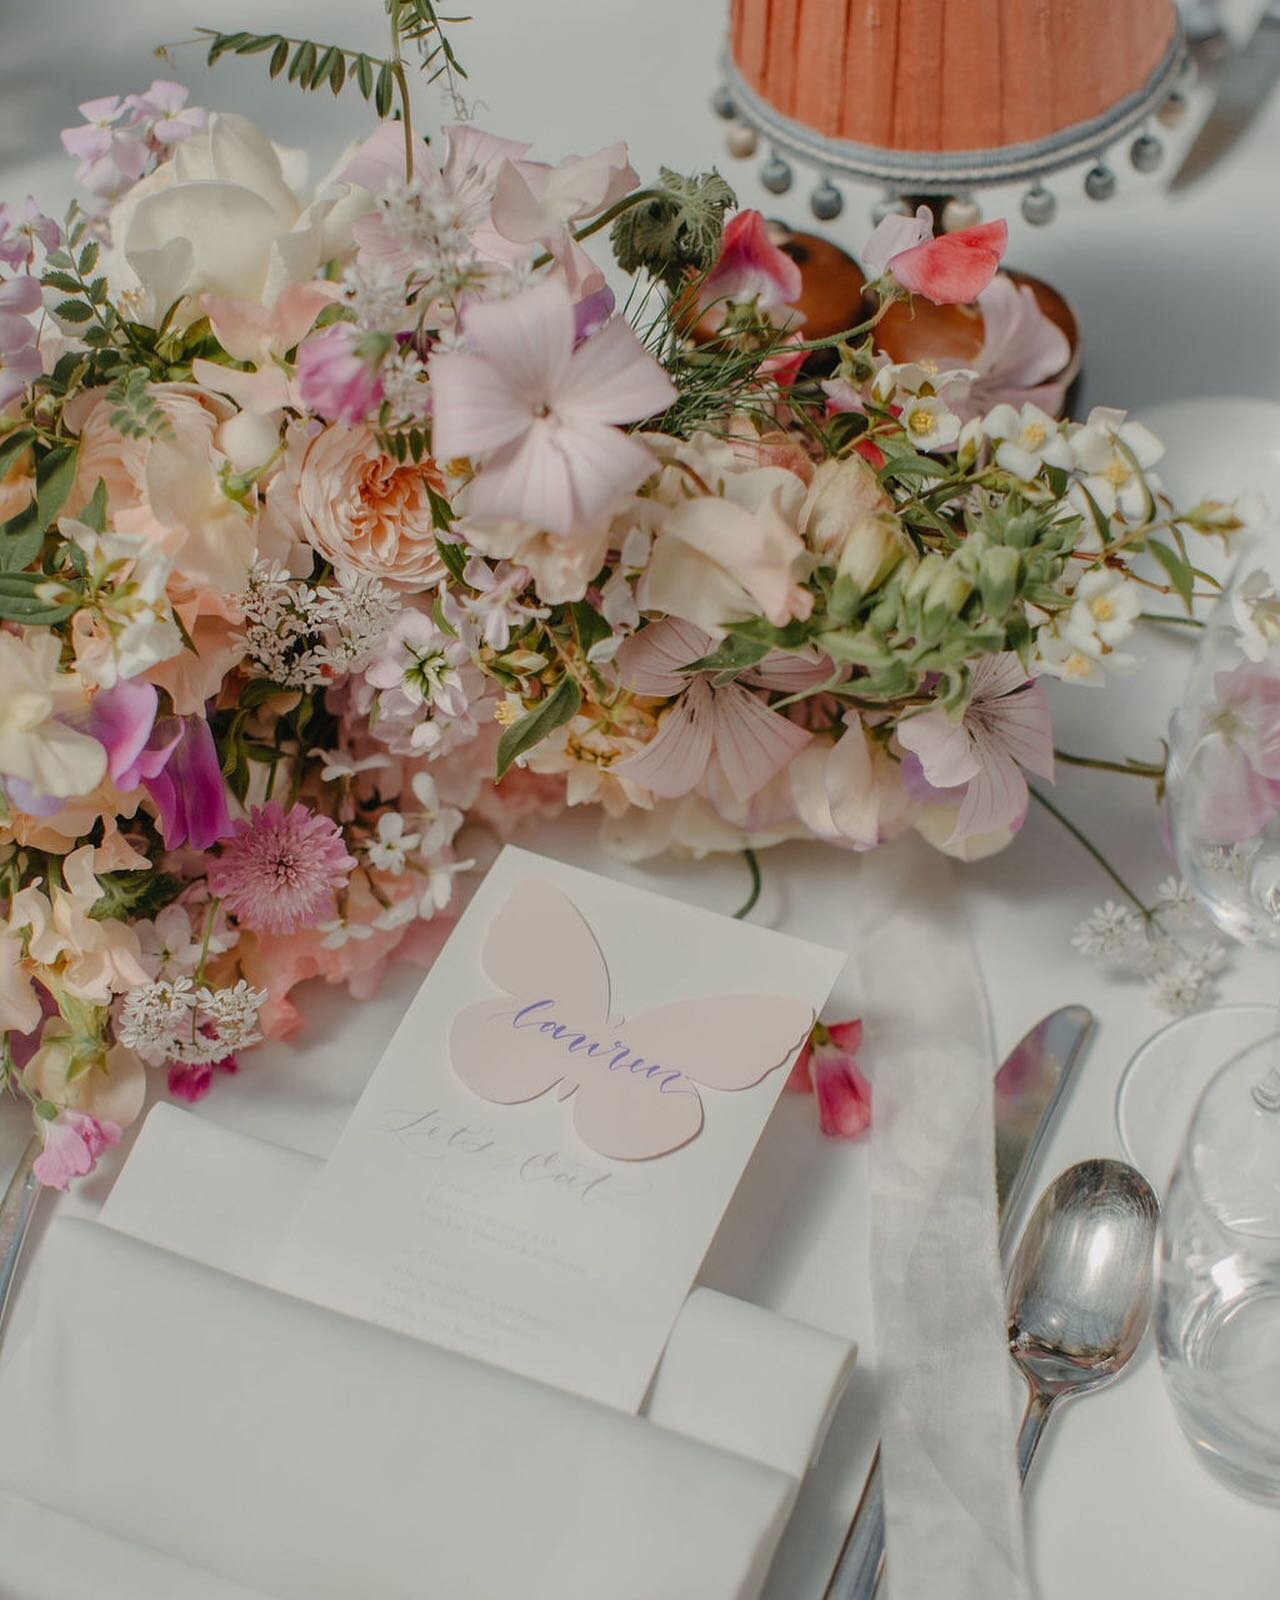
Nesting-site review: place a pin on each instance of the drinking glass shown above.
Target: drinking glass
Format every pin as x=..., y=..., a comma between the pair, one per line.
x=1218, y=1295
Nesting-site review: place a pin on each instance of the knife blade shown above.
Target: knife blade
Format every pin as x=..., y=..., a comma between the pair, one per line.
x=1245, y=83
x=1029, y=1088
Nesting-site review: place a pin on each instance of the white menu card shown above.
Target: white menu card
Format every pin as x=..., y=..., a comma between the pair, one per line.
x=539, y=1162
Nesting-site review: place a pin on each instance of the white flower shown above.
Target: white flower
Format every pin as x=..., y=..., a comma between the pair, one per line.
x=440, y=822
x=1111, y=457
x=1187, y=984
x=227, y=1020
x=36, y=745
x=389, y=850
x=1102, y=614
x=341, y=764
x=920, y=377
x=929, y=424
x=1058, y=657
x=167, y=943
x=152, y=1016
x=1256, y=607
x=496, y=607
x=395, y=915
x=339, y=932
x=1026, y=440
x=1178, y=901
x=438, y=892
x=125, y=579
x=1109, y=932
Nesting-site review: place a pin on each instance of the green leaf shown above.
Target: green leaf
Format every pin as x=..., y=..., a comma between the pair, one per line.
x=338, y=73
x=385, y=91
x=1179, y=572
x=364, y=75
x=905, y=468
x=259, y=42
x=61, y=280
x=19, y=601
x=12, y=445
x=21, y=538
x=454, y=557
x=88, y=259
x=94, y=513
x=322, y=68
x=734, y=655
x=279, y=56
x=54, y=478
x=73, y=311
x=589, y=625
x=548, y=715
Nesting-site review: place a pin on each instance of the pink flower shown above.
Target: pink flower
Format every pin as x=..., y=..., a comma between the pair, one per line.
x=19, y=357
x=541, y=414
x=751, y=267
x=280, y=870
x=162, y=114
x=1023, y=351
x=338, y=377
x=537, y=204
x=20, y=234
x=191, y=1081
x=1232, y=769
x=952, y=269
x=121, y=719
x=724, y=737
x=1005, y=727
x=187, y=786
x=112, y=155
x=827, y=1066
x=73, y=1142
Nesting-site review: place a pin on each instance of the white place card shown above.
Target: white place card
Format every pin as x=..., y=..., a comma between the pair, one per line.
x=538, y=1164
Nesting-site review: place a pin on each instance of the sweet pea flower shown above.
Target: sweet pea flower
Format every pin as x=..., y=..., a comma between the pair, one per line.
x=188, y=789
x=72, y=1144
x=751, y=268
x=538, y=204
x=952, y=269
x=19, y=357
x=543, y=416
x=338, y=373
x=39, y=745
x=714, y=735
x=1005, y=727
x=827, y=1066
x=1024, y=352
x=121, y=719
x=110, y=153
x=99, y=956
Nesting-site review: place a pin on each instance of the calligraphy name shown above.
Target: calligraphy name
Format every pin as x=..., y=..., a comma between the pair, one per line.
x=614, y=1057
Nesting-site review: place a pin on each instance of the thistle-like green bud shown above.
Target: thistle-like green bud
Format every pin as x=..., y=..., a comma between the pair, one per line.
x=677, y=228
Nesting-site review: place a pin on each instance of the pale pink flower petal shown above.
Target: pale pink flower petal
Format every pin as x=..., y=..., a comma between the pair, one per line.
x=649, y=661
x=613, y=378
x=528, y=339
x=674, y=760
x=476, y=410
x=894, y=234
x=751, y=267
x=752, y=743
x=954, y=268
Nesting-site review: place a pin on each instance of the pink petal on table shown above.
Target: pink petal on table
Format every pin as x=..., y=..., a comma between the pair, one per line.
x=844, y=1095
x=674, y=760
x=752, y=742
x=613, y=378
x=954, y=268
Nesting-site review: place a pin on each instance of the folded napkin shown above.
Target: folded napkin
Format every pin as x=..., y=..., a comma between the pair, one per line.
x=140, y=1358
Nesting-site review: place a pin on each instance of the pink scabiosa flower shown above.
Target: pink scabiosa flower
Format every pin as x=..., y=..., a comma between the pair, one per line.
x=826, y=1067
x=279, y=870
x=339, y=373
x=73, y=1141
x=542, y=415
x=952, y=269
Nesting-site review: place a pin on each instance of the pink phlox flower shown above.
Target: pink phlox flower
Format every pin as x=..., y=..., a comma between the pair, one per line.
x=21, y=232
x=496, y=606
x=188, y=787
x=827, y=1067
x=162, y=114
x=421, y=664
x=111, y=154
x=279, y=871
x=543, y=416
x=713, y=734
x=339, y=374
x=952, y=269
x=73, y=1141
x=752, y=268
x=534, y=203
x=1023, y=351
x=1005, y=727
x=192, y=1080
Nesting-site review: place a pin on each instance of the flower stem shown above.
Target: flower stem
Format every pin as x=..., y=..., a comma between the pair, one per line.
x=1151, y=770
x=753, y=865
x=1173, y=621
x=1093, y=850
x=603, y=220
x=402, y=85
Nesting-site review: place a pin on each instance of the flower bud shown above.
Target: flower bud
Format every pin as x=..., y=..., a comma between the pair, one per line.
x=843, y=496
x=946, y=595
x=998, y=578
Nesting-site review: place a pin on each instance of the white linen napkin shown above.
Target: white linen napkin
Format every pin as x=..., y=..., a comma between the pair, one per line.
x=952, y=1504
x=734, y=1375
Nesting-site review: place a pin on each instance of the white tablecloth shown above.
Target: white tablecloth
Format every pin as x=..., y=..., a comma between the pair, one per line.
x=1176, y=300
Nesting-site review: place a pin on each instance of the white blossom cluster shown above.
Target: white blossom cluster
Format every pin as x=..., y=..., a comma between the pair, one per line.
x=303, y=636
x=1173, y=949
x=172, y=1020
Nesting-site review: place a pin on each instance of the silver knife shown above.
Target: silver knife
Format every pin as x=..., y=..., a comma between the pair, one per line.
x=1028, y=1091
x=1244, y=86
x=16, y=1211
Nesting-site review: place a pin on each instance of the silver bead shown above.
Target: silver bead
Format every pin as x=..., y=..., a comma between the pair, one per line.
x=891, y=205
x=722, y=103
x=741, y=140
x=775, y=175
x=1146, y=153
x=1039, y=206
x=1172, y=112
x=960, y=213
x=1100, y=182
x=826, y=201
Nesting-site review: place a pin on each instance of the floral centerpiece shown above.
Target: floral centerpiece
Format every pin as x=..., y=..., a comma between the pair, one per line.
x=334, y=521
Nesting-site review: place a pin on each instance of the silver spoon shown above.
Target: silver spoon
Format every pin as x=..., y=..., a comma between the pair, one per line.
x=1079, y=1289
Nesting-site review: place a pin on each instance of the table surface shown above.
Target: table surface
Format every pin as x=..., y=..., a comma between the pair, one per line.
x=1177, y=299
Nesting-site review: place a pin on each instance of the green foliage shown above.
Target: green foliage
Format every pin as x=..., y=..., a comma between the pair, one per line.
x=129, y=895
x=134, y=411
x=20, y=601
x=677, y=230
x=548, y=715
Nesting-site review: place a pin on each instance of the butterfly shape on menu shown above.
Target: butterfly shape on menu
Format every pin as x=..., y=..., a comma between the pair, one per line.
x=635, y=1084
